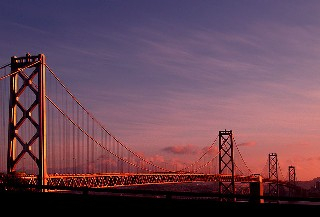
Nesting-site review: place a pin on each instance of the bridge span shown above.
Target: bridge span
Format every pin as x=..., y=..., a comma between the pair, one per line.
x=124, y=179
x=52, y=141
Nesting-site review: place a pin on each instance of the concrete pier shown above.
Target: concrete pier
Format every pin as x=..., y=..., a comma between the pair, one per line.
x=256, y=191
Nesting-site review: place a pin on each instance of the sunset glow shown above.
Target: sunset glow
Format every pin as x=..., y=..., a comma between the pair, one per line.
x=165, y=76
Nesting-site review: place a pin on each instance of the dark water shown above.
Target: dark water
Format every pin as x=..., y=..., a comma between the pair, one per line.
x=197, y=187
x=115, y=203
x=311, y=203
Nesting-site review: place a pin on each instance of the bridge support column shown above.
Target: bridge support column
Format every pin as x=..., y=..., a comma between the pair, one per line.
x=27, y=121
x=226, y=165
x=256, y=191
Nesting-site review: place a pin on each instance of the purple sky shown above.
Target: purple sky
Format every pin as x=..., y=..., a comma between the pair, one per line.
x=165, y=76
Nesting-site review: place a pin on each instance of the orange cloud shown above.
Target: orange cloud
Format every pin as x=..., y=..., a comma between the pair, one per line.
x=157, y=159
x=208, y=150
x=251, y=143
x=181, y=149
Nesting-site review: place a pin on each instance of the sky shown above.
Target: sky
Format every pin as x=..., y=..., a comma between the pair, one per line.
x=165, y=76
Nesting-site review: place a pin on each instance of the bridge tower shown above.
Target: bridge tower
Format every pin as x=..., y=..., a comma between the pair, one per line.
x=226, y=162
x=273, y=175
x=292, y=179
x=27, y=80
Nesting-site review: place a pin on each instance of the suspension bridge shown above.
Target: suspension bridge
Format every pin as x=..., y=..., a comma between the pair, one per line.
x=50, y=140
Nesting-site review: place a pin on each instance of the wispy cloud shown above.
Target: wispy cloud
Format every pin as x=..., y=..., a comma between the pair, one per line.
x=23, y=27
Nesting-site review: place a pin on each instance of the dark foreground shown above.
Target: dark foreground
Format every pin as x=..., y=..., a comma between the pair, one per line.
x=69, y=203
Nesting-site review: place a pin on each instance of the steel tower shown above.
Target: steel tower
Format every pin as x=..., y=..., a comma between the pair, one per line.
x=27, y=80
x=226, y=162
x=273, y=175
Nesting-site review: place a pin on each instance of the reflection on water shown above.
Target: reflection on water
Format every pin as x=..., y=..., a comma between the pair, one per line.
x=300, y=202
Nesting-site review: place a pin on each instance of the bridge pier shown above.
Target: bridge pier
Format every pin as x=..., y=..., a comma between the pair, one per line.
x=256, y=191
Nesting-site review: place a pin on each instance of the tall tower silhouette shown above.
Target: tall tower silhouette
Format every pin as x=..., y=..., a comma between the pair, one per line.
x=226, y=163
x=273, y=175
x=27, y=80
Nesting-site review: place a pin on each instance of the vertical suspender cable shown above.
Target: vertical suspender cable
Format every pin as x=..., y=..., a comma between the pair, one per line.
x=73, y=141
x=88, y=145
x=93, y=146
